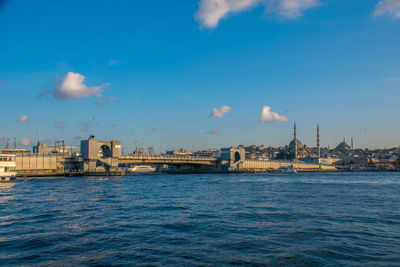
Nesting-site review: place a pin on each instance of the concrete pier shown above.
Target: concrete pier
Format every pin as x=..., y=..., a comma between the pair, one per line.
x=299, y=166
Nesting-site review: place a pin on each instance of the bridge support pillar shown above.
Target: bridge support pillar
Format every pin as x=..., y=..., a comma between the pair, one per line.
x=232, y=159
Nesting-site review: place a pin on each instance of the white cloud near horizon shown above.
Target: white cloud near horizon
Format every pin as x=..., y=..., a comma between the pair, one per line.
x=72, y=86
x=60, y=125
x=23, y=119
x=86, y=126
x=210, y=12
x=214, y=130
x=26, y=141
x=105, y=101
x=139, y=142
x=291, y=9
x=220, y=112
x=79, y=137
x=267, y=116
x=388, y=7
x=161, y=129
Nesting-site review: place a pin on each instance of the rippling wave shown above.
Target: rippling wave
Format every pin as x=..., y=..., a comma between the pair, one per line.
x=240, y=219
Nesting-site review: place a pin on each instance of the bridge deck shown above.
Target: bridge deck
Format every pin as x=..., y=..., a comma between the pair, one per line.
x=171, y=160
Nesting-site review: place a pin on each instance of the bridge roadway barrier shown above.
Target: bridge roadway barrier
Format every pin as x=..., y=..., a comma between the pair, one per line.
x=168, y=160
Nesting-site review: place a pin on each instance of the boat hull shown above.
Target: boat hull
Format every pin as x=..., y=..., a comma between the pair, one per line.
x=7, y=179
x=141, y=169
x=285, y=169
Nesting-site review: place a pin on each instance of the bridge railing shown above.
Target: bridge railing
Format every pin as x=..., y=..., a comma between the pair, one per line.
x=168, y=157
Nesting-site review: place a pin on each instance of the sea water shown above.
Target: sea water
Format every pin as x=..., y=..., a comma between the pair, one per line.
x=204, y=219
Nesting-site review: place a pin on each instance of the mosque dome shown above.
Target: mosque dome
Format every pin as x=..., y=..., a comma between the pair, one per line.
x=343, y=146
x=292, y=144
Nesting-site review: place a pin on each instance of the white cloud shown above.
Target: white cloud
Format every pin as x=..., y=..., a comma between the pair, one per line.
x=86, y=126
x=59, y=124
x=105, y=101
x=72, y=86
x=220, y=112
x=388, y=7
x=26, y=141
x=268, y=116
x=139, y=142
x=23, y=119
x=113, y=62
x=291, y=8
x=210, y=12
x=44, y=94
x=161, y=129
x=213, y=131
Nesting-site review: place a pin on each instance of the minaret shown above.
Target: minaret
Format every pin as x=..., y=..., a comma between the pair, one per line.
x=318, y=144
x=352, y=144
x=295, y=141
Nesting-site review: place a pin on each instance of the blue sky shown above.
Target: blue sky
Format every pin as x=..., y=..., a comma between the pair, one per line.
x=157, y=69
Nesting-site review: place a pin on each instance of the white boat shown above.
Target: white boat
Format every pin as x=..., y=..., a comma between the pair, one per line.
x=284, y=169
x=142, y=168
x=7, y=168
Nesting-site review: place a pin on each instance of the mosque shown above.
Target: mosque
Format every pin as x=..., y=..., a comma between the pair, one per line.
x=296, y=150
x=343, y=147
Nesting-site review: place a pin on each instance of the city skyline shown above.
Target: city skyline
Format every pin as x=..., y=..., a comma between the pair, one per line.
x=194, y=74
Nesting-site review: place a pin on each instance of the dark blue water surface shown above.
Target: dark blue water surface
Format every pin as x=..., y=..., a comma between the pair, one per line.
x=213, y=219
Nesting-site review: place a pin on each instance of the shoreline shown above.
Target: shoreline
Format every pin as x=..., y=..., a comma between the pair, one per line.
x=122, y=174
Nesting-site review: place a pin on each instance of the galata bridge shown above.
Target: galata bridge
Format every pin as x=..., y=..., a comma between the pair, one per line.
x=98, y=157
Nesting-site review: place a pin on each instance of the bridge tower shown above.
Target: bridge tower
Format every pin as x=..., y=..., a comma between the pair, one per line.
x=232, y=159
x=100, y=156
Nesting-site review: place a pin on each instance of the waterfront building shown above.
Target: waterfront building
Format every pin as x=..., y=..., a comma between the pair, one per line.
x=180, y=152
x=58, y=148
